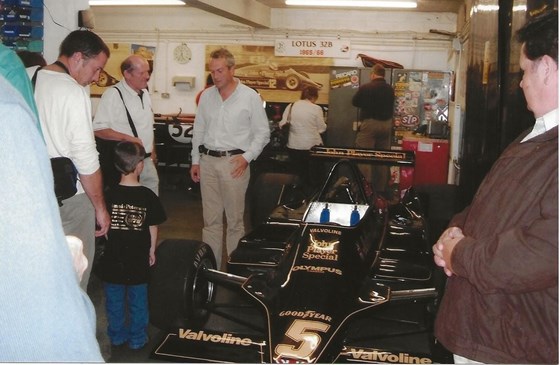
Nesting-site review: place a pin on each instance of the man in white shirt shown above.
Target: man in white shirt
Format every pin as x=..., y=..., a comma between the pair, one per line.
x=64, y=108
x=230, y=130
x=111, y=120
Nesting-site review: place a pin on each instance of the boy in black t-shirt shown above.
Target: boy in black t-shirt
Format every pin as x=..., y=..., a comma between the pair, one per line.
x=130, y=249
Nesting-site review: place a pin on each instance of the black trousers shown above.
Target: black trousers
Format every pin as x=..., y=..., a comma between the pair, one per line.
x=309, y=171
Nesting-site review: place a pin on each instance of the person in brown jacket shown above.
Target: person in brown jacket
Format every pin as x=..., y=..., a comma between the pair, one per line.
x=501, y=252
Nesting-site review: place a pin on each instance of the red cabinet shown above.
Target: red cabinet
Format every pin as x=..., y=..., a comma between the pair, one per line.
x=431, y=162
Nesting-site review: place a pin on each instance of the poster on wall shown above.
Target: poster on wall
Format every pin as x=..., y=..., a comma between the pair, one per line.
x=111, y=74
x=278, y=79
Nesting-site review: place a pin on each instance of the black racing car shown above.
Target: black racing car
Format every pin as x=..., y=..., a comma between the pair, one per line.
x=339, y=277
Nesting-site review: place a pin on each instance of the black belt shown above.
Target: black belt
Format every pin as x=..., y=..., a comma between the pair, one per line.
x=147, y=155
x=206, y=151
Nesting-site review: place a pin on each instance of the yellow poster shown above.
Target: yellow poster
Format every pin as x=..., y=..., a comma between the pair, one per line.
x=277, y=78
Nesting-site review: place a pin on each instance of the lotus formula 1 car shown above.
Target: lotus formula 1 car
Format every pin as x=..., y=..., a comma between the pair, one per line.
x=272, y=76
x=343, y=276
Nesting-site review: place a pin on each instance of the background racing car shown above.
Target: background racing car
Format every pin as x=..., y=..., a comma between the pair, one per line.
x=356, y=286
x=272, y=76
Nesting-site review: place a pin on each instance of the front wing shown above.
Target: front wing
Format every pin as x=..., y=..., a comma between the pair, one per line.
x=187, y=345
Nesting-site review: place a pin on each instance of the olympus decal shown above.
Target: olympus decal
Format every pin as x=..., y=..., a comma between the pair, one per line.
x=225, y=338
x=306, y=314
x=384, y=356
x=317, y=269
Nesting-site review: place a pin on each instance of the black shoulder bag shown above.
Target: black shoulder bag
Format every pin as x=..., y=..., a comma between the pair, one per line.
x=65, y=174
x=106, y=149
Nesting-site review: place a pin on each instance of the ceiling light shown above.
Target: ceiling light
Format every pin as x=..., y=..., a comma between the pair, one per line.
x=134, y=2
x=355, y=3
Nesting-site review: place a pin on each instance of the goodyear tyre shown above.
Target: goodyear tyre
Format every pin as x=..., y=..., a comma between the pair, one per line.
x=178, y=291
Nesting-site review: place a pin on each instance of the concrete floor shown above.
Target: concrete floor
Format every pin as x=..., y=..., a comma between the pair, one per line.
x=184, y=220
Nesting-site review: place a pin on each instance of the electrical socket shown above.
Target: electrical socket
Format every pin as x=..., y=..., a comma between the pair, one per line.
x=165, y=95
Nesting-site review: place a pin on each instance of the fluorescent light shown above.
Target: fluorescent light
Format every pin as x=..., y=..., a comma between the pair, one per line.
x=134, y=2
x=355, y=3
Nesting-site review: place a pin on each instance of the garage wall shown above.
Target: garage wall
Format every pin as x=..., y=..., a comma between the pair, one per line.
x=401, y=37
x=60, y=18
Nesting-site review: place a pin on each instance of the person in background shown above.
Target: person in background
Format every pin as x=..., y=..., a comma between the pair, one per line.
x=45, y=316
x=64, y=108
x=130, y=249
x=230, y=130
x=111, y=120
x=11, y=70
x=307, y=122
x=501, y=253
x=376, y=101
x=30, y=59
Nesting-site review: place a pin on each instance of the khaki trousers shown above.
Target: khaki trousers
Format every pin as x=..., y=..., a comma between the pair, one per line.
x=222, y=194
x=149, y=176
x=375, y=134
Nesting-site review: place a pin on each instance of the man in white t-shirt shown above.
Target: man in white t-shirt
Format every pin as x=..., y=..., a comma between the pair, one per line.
x=64, y=108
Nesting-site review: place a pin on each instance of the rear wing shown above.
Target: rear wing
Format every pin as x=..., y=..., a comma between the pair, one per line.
x=385, y=157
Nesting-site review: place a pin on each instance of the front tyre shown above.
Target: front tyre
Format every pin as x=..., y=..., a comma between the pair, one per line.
x=178, y=291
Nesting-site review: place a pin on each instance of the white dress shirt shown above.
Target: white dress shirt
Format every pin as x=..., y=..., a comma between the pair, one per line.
x=111, y=113
x=543, y=124
x=239, y=122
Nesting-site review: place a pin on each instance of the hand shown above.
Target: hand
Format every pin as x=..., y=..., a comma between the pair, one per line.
x=79, y=260
x=154, y=156
x=239, y=166
x=152, y=258
x=103, y=221
x=444, y=247
x=195, y=173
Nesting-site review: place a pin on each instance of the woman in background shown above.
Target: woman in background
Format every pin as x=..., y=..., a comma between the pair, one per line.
x=306, y=125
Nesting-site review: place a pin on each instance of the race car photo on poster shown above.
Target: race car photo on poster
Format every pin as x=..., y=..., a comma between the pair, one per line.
x=273, y=76
x=339, y=275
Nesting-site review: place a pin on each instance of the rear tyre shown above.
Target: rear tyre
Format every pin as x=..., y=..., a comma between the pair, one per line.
x=178, y=291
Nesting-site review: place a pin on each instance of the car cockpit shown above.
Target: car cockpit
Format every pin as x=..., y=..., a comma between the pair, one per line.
x=342, y=199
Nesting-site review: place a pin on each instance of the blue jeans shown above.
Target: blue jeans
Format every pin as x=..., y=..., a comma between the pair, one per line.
x=121, y=300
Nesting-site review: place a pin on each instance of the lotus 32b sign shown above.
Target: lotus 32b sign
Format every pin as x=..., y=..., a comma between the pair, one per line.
x=312, y=48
